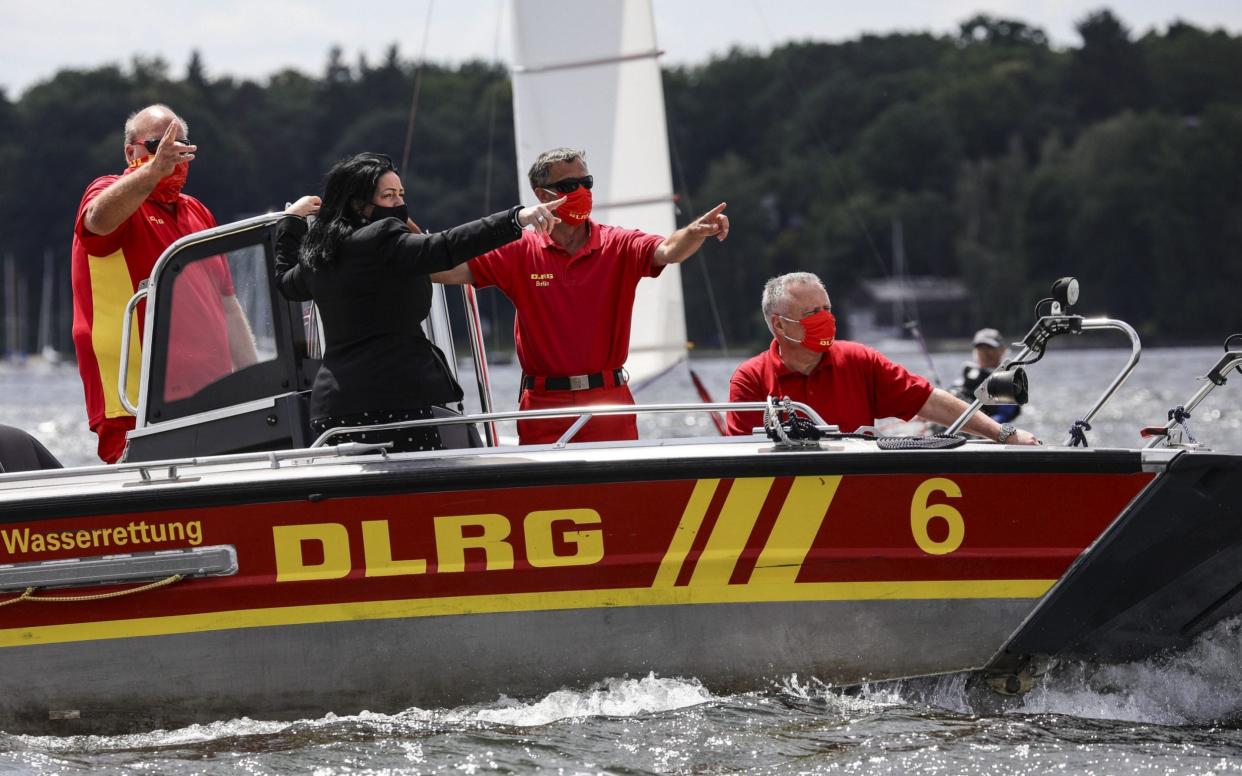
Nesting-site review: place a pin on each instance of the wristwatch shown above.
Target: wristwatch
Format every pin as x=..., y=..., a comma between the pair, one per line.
x=1007, y=430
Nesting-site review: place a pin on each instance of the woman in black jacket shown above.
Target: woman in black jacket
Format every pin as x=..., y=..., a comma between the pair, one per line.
x=367, y=271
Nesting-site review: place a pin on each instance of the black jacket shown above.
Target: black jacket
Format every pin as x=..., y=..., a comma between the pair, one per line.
x=373, y=298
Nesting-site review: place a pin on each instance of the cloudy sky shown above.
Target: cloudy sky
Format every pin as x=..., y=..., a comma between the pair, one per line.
x=254, y=38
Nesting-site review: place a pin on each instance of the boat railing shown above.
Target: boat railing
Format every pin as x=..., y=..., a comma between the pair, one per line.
x=1060, y=321
x=582, y=414
x=1178, y=416
x=1057, y=325
x=172, y=469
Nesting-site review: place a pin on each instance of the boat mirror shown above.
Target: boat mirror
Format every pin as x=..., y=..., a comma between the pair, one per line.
x=1007, y=386
x=1065, y=292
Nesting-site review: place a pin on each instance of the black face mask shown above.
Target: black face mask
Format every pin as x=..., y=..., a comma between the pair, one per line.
x=399, y=212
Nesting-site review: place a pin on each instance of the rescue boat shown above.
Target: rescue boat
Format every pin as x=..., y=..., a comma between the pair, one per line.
x=234, y=565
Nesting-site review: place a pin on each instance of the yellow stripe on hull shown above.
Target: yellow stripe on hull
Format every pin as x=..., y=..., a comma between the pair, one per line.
x=525, y=602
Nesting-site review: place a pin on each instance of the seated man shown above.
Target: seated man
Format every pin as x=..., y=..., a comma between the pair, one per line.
x=848, y=384
x=988, y=348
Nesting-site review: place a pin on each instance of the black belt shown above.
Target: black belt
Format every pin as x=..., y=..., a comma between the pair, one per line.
x=575, y=382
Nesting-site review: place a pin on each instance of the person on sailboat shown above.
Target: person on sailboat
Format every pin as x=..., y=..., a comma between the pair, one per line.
x=987, y=349
x=367, y=271
x=847, y=383
x=124, y=223
x=573, y=288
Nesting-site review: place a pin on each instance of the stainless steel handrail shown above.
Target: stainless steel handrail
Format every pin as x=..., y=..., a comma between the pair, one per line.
x=1136, y=349
x=122, y=380
x=144, y=468
x=475, y=329
x=347, y=449
x=569, y=412
x=1209, y=385
x=1087, y=324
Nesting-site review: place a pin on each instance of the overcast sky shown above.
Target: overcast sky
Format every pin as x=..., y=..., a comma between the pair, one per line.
x=255, y=38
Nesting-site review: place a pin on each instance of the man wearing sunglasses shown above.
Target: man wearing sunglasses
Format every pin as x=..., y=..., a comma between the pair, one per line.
x=124, y=223
x=574, y=294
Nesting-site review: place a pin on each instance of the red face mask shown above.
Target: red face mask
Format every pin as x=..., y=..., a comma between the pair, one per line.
x=169, y=187
x=577, y=206
x=819, y=331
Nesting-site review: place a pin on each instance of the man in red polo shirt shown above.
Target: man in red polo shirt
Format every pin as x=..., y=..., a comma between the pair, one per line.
x=848, y=384
x=574, y=295
x=123, y=225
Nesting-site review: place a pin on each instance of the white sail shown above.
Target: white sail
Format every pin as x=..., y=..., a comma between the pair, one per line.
x=586, y=75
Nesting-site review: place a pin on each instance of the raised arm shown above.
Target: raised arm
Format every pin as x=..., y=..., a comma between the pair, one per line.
x=118, y=202
x=443, y=254
x=289, y=272
x=682, y=244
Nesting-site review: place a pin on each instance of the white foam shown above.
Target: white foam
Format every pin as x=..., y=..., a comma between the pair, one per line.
x=193, y=734
x=611, y=698
x=1200, y=685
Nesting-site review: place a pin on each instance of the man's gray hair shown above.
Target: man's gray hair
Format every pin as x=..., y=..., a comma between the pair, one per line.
x=131, y=133
x=539, y=170
x=776, y=291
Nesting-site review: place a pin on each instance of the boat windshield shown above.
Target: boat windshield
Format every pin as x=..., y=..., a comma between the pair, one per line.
x=220, y=321
x=220, y=335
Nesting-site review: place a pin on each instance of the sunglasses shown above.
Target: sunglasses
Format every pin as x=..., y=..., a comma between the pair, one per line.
x=569, y=185
x=154, y=143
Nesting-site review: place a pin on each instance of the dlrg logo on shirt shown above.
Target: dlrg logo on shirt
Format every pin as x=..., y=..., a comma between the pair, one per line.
x=543, y=279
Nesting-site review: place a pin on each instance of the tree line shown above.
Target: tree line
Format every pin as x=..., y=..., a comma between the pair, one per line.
x=1008, y=162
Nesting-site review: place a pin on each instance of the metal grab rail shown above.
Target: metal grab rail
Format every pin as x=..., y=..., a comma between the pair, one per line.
x=1215, y=377
x=122, y=380
x=583, y=414
x=475, y=327
x=1136, y=349
x=1035, y=344
x=144, y=469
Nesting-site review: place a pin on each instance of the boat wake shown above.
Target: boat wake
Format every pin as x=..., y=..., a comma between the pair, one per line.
x=612, y=698
x=1201, y=685
x=1198, y=686
x=618, y=698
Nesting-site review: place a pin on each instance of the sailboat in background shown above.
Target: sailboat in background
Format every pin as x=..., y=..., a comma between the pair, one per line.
x=587, y=76
x=47, y=320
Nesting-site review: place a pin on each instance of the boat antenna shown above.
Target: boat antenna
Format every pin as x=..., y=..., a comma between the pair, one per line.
x=418, y=88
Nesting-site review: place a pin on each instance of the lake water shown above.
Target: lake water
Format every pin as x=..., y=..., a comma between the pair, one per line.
x=1178, y=714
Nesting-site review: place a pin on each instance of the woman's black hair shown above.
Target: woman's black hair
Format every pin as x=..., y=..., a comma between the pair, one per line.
x=350, y=184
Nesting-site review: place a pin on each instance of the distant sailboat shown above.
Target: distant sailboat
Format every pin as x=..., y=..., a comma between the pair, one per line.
x=47, y=303
x=14, y=293
x=587, y=75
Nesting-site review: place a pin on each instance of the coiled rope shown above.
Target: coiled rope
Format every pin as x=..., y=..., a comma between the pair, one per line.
x=28, y=594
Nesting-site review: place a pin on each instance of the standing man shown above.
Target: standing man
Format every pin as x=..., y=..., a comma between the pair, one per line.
x=574, y=294
x=848, y=384
x=123, y=225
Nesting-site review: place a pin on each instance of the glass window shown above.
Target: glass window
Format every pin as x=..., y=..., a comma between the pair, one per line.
x=220, y=321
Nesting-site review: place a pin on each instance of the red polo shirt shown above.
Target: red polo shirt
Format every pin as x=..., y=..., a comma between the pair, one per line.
x=850, y=387
x=573, y=312
x=106, y=272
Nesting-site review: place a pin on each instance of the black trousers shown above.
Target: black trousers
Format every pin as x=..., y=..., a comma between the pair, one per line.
x=404, y=440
